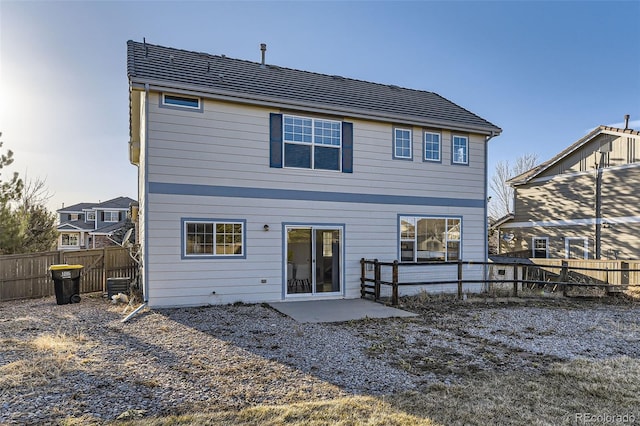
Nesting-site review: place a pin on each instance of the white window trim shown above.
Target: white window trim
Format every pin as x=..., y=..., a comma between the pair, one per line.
x=453, y=153
x=415, y=236
x=546, y=246
x=89, y=214
x=585, y=241
x=111, y=213
x=395, y=143
x=424, y=147
x=174, y=105
x=312, y=144
x=77, y=236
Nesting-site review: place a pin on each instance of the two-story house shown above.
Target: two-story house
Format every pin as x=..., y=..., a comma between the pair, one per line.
x=262, y=183
x=581, y=204
x=89, y=225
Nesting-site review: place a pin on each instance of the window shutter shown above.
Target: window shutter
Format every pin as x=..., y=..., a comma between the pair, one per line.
x=275, y=140
x=101, y=216
x=347, y=147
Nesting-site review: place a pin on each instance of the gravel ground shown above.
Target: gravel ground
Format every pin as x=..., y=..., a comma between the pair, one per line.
x=228, y=357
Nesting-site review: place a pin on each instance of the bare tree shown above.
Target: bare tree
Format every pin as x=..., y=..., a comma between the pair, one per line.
x=502, y=191
x=34, y=193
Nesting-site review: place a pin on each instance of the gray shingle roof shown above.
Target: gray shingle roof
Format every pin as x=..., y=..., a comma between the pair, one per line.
x=76, y=224
x=109, y=229
x=115, y=203
x=220, y=76
x=76, y=208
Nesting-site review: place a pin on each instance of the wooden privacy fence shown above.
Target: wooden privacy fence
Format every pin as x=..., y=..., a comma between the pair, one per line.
x=26, y=276
x=612, y=275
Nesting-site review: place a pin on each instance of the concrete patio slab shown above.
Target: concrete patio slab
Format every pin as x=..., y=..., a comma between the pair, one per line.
x=337, y=310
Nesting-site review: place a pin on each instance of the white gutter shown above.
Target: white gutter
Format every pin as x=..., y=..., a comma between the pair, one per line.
x=143, y=276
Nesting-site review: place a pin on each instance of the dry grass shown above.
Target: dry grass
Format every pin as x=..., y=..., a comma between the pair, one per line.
x=356, y=410
x=633, y=292
x=556, y=396
x=553, y=397
x=43, y=358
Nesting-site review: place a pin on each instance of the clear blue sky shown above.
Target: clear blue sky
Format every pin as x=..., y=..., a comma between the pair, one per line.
x=545, y=72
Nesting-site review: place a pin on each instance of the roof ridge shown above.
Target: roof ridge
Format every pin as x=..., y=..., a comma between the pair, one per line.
x=274, y=66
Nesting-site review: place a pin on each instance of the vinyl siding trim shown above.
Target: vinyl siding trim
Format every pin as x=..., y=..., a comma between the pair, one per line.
x=573, y=222
x=301, y=195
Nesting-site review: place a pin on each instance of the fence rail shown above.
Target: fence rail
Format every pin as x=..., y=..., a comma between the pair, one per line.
x=27, y=276
x=612, y=276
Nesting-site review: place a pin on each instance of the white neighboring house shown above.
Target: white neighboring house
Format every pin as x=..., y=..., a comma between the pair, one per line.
x=89, y=225
x=261, y=183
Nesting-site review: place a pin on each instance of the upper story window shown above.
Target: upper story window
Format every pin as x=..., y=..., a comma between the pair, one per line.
x=430, y=238
x=181, y=101
x=74, y=216
x=460, y=150
x=312, y=143
x=432, y=148
x=91, y=216
x=110, y=216
x=402, y=144
x=207, y=238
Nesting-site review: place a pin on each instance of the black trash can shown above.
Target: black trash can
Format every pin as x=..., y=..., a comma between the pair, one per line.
x=66, y=279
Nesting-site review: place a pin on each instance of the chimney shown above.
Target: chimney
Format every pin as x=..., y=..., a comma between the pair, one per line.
x=263, y=48
x=626, y=121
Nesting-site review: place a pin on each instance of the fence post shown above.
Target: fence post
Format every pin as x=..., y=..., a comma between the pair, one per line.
x=394, y=295
x=515, y=280
x=376, y=277
x=104, y=269
x=362, y=278
x=459, y=279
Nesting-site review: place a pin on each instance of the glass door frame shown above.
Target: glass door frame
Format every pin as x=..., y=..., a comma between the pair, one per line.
x=313, y=227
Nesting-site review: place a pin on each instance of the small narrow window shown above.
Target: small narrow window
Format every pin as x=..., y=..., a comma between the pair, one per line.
x=431, y=146
x=402, y=144
x=181, y=101
x=460, y=150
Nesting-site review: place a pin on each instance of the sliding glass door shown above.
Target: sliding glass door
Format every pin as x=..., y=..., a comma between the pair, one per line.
x=314, y=260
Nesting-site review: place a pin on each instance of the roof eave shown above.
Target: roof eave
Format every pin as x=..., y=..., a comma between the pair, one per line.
x=269, y=101
x=575, y=146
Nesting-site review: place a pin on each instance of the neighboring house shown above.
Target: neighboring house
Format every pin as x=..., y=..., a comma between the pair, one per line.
x=262, y=183
x=584, y=203
x=89, y=225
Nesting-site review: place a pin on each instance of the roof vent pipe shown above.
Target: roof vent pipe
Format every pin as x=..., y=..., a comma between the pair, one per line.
x=626, y=121
x=263, y=49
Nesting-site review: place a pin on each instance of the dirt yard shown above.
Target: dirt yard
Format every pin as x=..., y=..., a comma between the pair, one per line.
x=482, y=361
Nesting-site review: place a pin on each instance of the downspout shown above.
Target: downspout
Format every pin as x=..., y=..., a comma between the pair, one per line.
x=143, y=276
x=485, y=268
